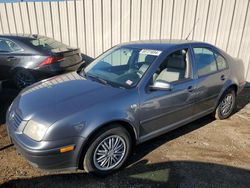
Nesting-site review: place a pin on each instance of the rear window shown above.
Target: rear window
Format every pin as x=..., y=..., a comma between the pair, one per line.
x=221, y=62
x=47, y=44
x=205, y=60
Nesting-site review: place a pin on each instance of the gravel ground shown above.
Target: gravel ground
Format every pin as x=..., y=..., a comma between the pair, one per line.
x=205, y=153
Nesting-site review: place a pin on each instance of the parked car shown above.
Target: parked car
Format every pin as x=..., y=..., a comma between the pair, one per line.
x=130, y=94
x=27, y=59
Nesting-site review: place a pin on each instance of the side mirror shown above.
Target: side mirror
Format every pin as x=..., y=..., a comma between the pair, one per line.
x=81, y=67
x=161, y=85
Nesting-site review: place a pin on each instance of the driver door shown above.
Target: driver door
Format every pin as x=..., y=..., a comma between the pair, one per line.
x=164, y=110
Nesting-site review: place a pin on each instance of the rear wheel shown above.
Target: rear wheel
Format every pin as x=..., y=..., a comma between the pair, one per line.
x=108, y=150
x=226, y=106
x=23, y=78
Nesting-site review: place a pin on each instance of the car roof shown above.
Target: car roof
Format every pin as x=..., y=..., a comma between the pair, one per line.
x=20, y=36
x=160, y=44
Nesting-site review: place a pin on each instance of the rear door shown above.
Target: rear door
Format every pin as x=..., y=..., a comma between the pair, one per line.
x=9, y=57
x=211, y=73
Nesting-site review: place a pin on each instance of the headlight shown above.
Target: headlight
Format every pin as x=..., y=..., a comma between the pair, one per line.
x=35, y=130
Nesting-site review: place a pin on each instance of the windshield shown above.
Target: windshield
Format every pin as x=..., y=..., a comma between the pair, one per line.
x=121, y=67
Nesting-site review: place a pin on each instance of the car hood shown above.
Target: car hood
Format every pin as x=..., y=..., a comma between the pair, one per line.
x=53, y=99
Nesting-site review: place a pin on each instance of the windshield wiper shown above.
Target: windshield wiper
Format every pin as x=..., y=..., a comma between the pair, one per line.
x=100, y=80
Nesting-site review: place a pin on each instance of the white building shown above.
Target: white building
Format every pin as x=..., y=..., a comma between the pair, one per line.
x=96, y=25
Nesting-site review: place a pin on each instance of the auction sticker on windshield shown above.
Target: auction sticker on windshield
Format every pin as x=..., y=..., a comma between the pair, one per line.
x=150, y=52
x=129, y=82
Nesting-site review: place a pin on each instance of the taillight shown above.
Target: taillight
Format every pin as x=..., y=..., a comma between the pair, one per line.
x=50, y=60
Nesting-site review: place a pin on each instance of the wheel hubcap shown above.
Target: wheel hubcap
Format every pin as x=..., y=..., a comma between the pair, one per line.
x=226, y=104
x=109, y=153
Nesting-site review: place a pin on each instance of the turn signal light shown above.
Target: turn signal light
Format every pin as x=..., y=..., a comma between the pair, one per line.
x=67, y=149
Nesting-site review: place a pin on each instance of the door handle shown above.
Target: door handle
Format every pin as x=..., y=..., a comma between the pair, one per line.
x=190, y=88
x=222, y=77
x=11, y=58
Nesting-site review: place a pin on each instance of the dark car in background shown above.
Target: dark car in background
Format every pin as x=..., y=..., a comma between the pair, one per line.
x=130, y=94
x=26, y=59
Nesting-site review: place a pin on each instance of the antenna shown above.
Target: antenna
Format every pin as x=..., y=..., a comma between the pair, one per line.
x=192, y=28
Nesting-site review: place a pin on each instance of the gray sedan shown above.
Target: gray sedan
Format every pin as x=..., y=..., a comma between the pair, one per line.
x=92, y=118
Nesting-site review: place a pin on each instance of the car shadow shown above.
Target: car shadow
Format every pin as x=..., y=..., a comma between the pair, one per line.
x=243, y=98
x=143, y=174
x=7, y=94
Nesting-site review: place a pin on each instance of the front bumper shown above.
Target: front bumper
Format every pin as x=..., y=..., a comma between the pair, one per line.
x=46, y=154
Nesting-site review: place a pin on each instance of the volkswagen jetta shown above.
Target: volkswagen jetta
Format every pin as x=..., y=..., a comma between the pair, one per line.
x=136, y=91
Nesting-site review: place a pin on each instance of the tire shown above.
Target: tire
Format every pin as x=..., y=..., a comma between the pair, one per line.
x=23, y=78
x=97, y=143
x=228, y=97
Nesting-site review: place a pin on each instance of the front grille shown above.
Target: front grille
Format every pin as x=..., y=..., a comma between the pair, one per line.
x=16, y=121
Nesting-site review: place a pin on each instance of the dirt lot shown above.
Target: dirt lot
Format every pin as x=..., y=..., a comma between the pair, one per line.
x=205, y=153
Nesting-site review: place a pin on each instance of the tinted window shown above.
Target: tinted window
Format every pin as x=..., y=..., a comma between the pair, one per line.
x=174, y=68
x=205, y=61
x=221, y=62
x=47, y=44
x=9, y=46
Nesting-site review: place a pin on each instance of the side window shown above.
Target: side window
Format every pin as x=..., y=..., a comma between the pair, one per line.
x=205, y=61
x=221, y=62
x=174, y=68
x=9, y=46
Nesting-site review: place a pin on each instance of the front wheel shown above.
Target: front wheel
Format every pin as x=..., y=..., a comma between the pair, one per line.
x=226, y=106
x=108, y=151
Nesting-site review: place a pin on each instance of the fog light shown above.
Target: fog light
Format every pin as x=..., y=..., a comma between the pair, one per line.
x=66, y=149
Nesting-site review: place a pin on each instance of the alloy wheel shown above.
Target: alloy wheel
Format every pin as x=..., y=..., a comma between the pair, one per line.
x=109, y=153
x=226, y=104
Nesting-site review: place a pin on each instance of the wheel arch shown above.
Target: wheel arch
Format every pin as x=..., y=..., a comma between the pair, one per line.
x=234, y=87
x=229, y=85
x=125, y=124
